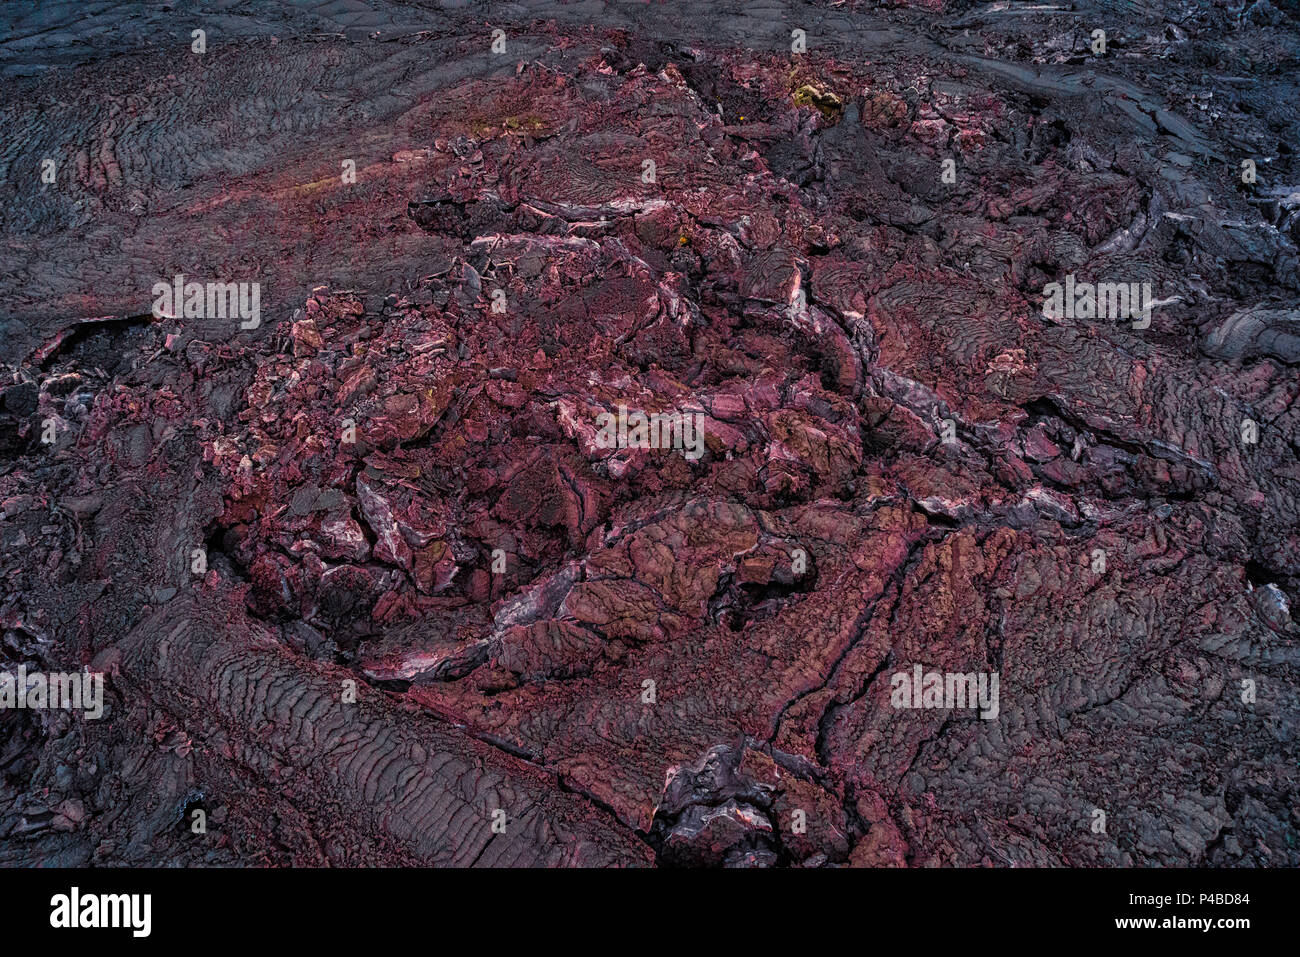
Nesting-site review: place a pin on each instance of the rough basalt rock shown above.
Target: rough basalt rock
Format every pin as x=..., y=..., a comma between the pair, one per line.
x=367, y=572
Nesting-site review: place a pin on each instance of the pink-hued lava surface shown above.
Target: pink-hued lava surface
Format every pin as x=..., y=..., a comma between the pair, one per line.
x=370, y=578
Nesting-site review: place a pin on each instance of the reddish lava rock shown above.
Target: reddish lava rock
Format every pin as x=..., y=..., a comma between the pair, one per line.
x=647, y=410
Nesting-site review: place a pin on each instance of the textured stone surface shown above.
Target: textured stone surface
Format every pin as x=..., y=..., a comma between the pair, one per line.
x=397, y=480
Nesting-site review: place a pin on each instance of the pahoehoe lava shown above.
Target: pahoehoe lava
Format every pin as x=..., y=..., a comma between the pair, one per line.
x=367, y=579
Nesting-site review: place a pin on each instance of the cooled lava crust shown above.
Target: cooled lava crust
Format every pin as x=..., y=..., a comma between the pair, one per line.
x=570, y=653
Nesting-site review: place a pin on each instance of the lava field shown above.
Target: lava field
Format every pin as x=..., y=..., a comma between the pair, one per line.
x=681, y=434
